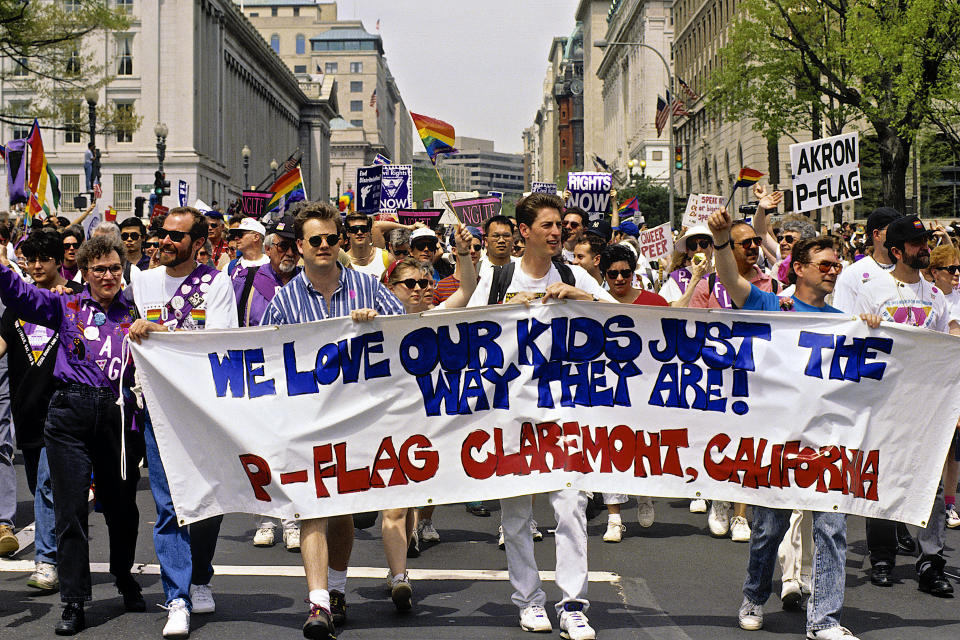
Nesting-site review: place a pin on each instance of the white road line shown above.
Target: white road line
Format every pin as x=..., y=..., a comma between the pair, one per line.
x=293, y=571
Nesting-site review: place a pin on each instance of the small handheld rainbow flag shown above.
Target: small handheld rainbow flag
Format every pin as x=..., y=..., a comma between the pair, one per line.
x=288, y=186
x=630, y=205
x=346, y=201
x=747, y=177
x=437, y=136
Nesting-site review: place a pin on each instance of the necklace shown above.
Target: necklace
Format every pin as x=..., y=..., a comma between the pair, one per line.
x=911, y=318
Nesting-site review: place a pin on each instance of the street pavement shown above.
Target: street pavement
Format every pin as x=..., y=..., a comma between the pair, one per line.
x=671, y=581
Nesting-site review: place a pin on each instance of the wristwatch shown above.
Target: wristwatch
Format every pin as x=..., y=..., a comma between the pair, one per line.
x=721, y=246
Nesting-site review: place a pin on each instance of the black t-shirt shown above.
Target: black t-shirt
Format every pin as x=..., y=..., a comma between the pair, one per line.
x=31, y=354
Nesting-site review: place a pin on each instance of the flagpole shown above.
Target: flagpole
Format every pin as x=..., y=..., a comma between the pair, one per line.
x=449, y=199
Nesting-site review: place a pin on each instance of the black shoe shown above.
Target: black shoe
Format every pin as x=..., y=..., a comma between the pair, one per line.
x=319, y=626
x=906, y=544
x=338, y=608
x=72, y=620
x=478, y=510
x=132, y=600
x=934, y=582
x=880, y=575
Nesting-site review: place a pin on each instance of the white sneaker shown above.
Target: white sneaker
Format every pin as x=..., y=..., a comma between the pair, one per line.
x=750, y=616
x=833, y=633
x=953, y=518
x=427, y=532
x=263, y=537
x=44, y=577
x=645, y=512
x=291, y=538
x=534, y=618
x=790, y=595
x=615, y=531
x=719, y=518
x=575, y=626
x=535, y=531
x=201, y=597
x=740, y=529
x=500, y=542
x=178, y=619
x=698, y=506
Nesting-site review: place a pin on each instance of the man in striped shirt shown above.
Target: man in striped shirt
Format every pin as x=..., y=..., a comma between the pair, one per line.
x=323, y=290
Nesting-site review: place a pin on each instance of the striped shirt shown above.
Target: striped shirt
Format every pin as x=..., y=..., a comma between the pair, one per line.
x=298, y=301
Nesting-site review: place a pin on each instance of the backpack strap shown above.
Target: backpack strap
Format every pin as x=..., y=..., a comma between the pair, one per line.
x=775, y=285
x=245, y=296
x=566, y=274
x=502, y=276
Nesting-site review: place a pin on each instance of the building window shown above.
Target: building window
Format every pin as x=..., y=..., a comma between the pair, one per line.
x=299, y=68
x=125, y=6
x=301, y=44
x=254, y=14
x=71, y=6
x=356, y=105
x=273, y=12
x=357, y=123
x=73, y=123
x=356, y=67
x=275, y=41
x=20, y=67
x=73, y=63
x=296, y=12
x=69, y=189
x=356, y=86
x=656, y=156
x=122, y=191
x=125, y=55
x=124, y=121
x=330, y=67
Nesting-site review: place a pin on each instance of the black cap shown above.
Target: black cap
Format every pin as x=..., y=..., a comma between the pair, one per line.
x=905, y=229
x=880, y=217
x=284, y=228
x=600, y=227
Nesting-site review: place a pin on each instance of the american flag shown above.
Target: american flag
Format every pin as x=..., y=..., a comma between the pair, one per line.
x=97, y=191
x=687, y=90
x=373, y=98
x=663, y=112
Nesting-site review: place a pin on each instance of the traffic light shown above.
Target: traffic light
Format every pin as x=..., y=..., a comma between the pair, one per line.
x=679, y=157
x=138, y=203
x=158, y=183
x=166, y=188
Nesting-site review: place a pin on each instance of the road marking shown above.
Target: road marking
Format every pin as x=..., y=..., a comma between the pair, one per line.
x=295, y=571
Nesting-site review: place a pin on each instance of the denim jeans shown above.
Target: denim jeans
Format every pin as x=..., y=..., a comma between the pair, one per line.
x=8, y=474
x=829, y=562
x=38, y=480
x=186, y=553
x=83, y=435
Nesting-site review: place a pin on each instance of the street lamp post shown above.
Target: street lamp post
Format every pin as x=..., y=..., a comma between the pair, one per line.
x=245, y=153
x=160, y=130
x=338, y=189
x=274, y=165
x=603, y=44
x=91, y=95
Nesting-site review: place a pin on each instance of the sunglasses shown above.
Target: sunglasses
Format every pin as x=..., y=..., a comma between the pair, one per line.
x=571, y=224
x=175, y=236
x=71, y=245
x=953, y=268
x=100, y=271
x=410, y=283
x=827, y=266
x=756, y=241
x=788, y=239
x=703, y=243
x=285, y=246
x=151, y=245
x=202, y=253
x=401, y=252
x=623, y=273
x=130, y=236
x=359, y=228
x=429, y=245
x=332, y=239
x=477, y=247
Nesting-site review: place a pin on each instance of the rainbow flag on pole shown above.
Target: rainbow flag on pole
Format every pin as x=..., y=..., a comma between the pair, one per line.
x=747, y=177
x=288, y=189
x=38, y=172
x=630, y=205
x=437, y=136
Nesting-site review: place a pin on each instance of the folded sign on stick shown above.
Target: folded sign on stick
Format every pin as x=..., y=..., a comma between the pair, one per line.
x=430, y=217
x=448, y=407
x=254, y=203
x=475, y=211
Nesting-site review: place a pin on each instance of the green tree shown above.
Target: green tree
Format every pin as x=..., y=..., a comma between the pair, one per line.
x=654, y=199
x=893, y=64
x=425, y=182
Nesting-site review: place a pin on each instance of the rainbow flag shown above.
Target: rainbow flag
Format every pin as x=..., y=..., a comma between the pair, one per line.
x=630, y=205
x=437, y=136
x=290, y=187
x=38, y=173
x=153, y=315
x=747, y=177
x=346, y=201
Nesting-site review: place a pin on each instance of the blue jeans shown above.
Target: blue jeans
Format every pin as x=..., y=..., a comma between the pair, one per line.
x=37, y=468
x=185, y=553
x=829, y=562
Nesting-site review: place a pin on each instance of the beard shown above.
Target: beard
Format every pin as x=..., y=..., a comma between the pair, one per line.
x=920, y=260
x=181, y=256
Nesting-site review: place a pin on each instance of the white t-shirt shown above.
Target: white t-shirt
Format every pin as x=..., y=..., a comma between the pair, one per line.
x=921, y=304
x=851, y=280
x=953, y=304
x=523, y=282
x=152, y=289
x=568, y=256
x=246, y=264
x=485, y=267
x=376, y=266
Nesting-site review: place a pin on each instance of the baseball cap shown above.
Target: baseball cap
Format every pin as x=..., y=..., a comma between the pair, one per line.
x=600, y=227
x=475, y=232
x=250, y=224
x=630, y=228
x=284, y=228
x=880, y=217
x=695, y=230
x=422, y=232
x=904, y=229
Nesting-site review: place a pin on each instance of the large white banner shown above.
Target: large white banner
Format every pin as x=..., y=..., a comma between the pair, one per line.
x=811, y=411
x=825, y=172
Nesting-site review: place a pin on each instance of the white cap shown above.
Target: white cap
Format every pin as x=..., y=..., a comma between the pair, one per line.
x=250, y=224
x=695, y=230
x=422, y=232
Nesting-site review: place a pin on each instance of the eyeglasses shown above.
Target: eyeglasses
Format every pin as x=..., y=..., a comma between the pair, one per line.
x=477, y=247
x=175, y=236
x=130, y=236
x=952, y=268
x=572, y=224
x=826, y=266
x=285, y=246
x=101, y=271
x=500, y=236
x=756, y=241
x=623, y=273
x=401, y=252
x=410, y=283
x=702, y=243
x=332, y=239
x=426, y=245
x=151, y=245
x=358, y=228
x=71, y=245
x=787, y=238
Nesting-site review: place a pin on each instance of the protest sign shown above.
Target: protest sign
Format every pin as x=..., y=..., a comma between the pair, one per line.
x=396, y=187
x=495, y=194
x=590, y=191
x=474, y=212
x=785, y=410
x=159, y=210
x=183, y=191
x=825, y=172
x=254, y=203
x=368, y=189
x=430, y=217
x=699, y=208
x=544, y=187
x=656, y=243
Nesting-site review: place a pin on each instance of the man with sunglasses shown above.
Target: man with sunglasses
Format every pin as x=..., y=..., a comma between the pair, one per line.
x=249, y=236
x=424, y=246
x=745, y=245
x=364, y=257
x=72, y=238
x=814, y=269
x=132, y=233
x=324, y=290
x=181, y=295
x=574, y=223
x=221, y=254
